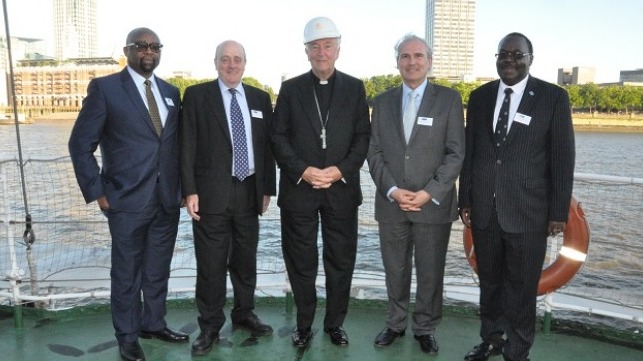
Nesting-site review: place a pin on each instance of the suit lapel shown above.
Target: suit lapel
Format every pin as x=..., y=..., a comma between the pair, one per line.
x=491, y=96
x=525, y=107
x=428, y=103
x=307, y=99
x=215, y=103
x=133, y=93
x=255, y=126
x=395, y=112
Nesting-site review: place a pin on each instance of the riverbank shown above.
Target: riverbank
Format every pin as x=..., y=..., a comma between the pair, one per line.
x=582, y=121
x=608, y=123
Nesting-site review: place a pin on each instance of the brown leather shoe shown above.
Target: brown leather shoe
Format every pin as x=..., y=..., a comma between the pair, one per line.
x=387, y=336
x=166, y=335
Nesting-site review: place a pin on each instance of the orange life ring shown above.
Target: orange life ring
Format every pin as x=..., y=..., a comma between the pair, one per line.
x=570, y=257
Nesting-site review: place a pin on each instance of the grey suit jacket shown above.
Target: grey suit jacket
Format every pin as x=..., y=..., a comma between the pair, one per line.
x=431, y=161
x=529, y=178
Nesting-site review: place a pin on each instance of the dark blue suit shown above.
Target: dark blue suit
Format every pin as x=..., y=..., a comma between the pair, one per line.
x=139, y=175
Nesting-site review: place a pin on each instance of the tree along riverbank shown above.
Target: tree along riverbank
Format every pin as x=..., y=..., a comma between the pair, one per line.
x=582, y=121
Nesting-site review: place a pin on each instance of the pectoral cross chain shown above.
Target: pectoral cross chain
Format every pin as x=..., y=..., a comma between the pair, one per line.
x=323, y=137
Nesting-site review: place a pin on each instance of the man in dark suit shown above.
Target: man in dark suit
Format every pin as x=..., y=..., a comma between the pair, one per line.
x=320, y=139
x=228, y=176
x=136, y=186
x=415, y=156
x=515, y=189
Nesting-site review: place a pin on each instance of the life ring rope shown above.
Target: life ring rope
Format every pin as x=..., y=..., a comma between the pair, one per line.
x=570, y=257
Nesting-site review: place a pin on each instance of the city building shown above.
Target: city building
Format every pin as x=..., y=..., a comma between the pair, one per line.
x=75, y=33
x=20, y=49
x=631, y=76
x=575, y=76
x=44, y=84
x=450, y=33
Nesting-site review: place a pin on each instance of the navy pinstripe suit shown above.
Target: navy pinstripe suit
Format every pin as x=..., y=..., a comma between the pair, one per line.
x=513, y=191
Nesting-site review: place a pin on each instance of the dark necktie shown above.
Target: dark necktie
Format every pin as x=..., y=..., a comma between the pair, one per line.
x=240, y=146
x=153, y=107
x=503, y=118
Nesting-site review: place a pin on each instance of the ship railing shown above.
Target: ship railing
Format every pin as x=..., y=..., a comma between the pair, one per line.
x=68, y=263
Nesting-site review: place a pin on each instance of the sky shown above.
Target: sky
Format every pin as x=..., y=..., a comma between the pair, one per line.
x=604, y=34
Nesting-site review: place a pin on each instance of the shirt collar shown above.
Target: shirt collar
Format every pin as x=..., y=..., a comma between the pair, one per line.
x=419, y=90
x=517, y=88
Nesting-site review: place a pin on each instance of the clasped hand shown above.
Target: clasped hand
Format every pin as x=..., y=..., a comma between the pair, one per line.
x=409, y=201
x=321, y=178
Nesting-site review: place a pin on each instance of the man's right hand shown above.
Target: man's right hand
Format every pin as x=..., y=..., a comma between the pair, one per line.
x=465, y=215
x=192, y=204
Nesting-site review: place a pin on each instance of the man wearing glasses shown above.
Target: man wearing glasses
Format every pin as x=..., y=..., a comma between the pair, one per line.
x=133, y=117
x=515, y=189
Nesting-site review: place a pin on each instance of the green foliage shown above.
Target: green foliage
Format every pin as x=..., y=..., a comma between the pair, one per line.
x=591, y=97
x=183, y=83
x=611, y=98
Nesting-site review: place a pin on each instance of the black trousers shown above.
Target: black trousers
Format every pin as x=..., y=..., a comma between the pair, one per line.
x=509, y=268
x=227, y=242
x=339, y=243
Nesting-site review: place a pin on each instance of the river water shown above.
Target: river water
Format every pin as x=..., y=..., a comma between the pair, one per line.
x=614, y=268
x=610, y=153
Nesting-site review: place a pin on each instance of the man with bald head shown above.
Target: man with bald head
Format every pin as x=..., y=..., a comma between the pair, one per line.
x=133, y=117
x=228, y=176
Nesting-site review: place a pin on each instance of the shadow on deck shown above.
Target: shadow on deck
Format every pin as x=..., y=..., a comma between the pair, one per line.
x=86, y=333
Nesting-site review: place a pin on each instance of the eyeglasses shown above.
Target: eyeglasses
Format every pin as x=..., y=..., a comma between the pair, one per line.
x=142, y=46
x=514, y=55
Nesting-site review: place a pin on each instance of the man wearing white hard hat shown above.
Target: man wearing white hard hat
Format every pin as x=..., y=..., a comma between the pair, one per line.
x=320, y=138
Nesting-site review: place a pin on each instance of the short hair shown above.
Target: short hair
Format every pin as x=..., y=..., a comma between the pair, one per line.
x=139, y=31
x=520, y=35
x=217, y=52
x=411, y=37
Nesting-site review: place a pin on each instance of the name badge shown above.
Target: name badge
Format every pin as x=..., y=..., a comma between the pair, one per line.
x=169, y=102
x=522, y=119
x=425, y=121
x=257, y=114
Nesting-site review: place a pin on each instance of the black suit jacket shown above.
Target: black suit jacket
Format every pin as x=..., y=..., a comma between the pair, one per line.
x=296, y=140
x=206, y=146
x=531, y=175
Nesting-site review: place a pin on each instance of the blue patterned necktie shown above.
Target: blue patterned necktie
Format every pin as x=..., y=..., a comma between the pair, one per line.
x=239, y=143
x=503, y=118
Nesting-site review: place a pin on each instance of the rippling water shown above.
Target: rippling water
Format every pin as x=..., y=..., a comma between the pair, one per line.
x=614, y=265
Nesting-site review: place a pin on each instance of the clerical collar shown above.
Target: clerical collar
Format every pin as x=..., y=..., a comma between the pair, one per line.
x=316, y=80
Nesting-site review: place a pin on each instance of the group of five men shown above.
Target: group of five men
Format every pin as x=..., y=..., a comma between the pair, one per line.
x=215, y=152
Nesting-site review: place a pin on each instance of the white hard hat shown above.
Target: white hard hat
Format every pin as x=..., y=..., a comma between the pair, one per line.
x=320, y=28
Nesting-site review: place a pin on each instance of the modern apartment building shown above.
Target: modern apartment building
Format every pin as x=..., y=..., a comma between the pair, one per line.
x=450, y=33
x=75, y=30
x=631, y=76
x=575, y=76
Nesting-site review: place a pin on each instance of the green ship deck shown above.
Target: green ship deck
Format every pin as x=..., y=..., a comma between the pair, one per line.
x=86, y=333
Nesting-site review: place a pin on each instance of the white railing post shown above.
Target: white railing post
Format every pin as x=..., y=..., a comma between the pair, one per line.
x=15, y=274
